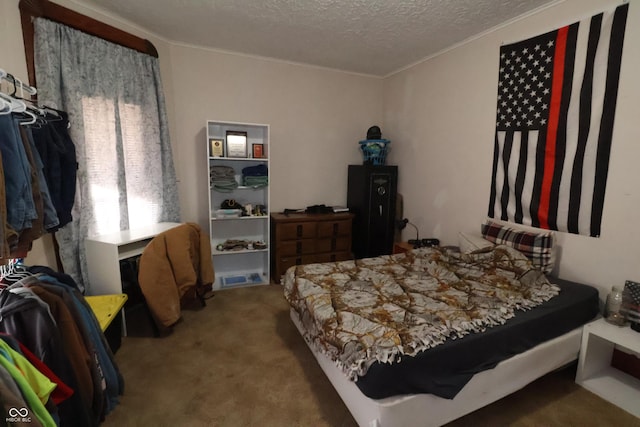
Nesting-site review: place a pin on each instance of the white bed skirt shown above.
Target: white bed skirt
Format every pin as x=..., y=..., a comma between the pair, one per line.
x=429, y=410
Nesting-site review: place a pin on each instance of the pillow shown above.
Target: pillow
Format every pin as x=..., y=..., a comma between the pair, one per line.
x=538, y=247
x=469, y=243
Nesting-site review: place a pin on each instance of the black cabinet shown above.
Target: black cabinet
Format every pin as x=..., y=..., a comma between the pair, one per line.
x=371, y=196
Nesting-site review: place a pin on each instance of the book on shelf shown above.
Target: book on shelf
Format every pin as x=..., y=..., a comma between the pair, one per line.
x=337, y=209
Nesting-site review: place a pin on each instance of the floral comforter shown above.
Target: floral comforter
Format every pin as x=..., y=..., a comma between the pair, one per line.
x=378, y=309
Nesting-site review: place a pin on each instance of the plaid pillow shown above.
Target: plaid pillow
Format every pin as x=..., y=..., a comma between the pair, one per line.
x=631, y=302
x=538, y=247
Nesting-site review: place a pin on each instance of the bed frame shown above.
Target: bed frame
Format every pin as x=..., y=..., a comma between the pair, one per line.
x=484, y=388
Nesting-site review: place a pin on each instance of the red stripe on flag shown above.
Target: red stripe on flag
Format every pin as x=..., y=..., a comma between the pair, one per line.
x=552, y=127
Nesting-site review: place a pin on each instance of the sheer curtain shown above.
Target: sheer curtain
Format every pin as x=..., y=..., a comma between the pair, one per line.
x=126, y=178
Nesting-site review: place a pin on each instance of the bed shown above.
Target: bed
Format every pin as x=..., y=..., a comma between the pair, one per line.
x=428, y=336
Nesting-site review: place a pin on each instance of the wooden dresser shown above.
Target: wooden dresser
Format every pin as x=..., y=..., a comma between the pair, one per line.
x=300, y=238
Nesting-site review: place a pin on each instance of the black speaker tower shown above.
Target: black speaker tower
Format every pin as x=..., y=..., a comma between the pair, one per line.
x=371, y=196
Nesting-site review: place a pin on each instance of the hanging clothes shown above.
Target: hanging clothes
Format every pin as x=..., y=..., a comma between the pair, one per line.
x=35, y=228
x=76, y=351
x=34, y=386
x=107, y=370
x=19, y=198
x=58, y=155
x=38, y=172
x=62, y=392
x=50, y=216
x=12, y=398
x=45, y=312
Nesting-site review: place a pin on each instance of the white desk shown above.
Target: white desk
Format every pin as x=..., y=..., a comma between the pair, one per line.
x=595, y=372
x=105, y=251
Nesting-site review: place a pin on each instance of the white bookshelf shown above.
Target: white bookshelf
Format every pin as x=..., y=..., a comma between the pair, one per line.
x=246, y=262
x=595, y=372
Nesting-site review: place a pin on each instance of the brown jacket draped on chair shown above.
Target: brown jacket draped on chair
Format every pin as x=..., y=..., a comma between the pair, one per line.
x=175, y=266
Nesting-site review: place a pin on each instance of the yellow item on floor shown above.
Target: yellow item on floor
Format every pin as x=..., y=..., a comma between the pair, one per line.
x=106, y=307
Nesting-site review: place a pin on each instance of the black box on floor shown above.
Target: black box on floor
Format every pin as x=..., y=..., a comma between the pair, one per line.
x=113, y=334
x=139, y=320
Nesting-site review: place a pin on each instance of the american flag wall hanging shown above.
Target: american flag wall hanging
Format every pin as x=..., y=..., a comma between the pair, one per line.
x=556, y=104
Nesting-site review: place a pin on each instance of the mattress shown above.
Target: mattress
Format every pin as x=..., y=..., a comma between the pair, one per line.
x=428, y=410
x=444, y=370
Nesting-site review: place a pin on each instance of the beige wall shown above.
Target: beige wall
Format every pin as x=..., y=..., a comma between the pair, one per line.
x=441, y=116
x=316, y=116
x=316, y=119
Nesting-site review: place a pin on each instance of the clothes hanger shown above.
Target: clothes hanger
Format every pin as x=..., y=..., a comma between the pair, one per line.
x=5, y=107
x=33, y=119
x=9, y=267
x=19, y=103
x=14, y=271
x=17, y=106
x=17, y=83
x=24, y=116
x=37, y=114
x=3, y=76
x=58, y=113
x=34, y=107
x=32, y=103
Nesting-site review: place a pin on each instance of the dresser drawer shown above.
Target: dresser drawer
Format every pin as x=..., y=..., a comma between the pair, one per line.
x=300, y=238
x=296, y=247
x=333, y=257
x=285, y=262
x=296, y=230
x=334, y=228
x=337, y=244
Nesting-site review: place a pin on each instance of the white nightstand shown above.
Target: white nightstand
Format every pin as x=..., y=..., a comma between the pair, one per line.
x=595, y=372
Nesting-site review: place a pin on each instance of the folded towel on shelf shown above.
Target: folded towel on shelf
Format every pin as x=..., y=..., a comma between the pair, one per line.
x=255, y=181
x=255, y=176
x=257, y=170
x=223, y=178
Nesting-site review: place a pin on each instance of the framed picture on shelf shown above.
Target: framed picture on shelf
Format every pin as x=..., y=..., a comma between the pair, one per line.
x=258, y=151
x=216, y=147
x=236, y=144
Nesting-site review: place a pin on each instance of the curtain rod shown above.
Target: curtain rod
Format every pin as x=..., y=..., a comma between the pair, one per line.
x=31, y=9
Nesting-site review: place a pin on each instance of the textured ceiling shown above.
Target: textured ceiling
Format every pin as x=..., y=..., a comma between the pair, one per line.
x=375, y=37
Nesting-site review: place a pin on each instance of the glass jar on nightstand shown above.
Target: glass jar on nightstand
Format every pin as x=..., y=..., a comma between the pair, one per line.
x=612, y=307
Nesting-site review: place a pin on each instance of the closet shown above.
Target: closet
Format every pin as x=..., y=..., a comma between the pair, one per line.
x=56, y=366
